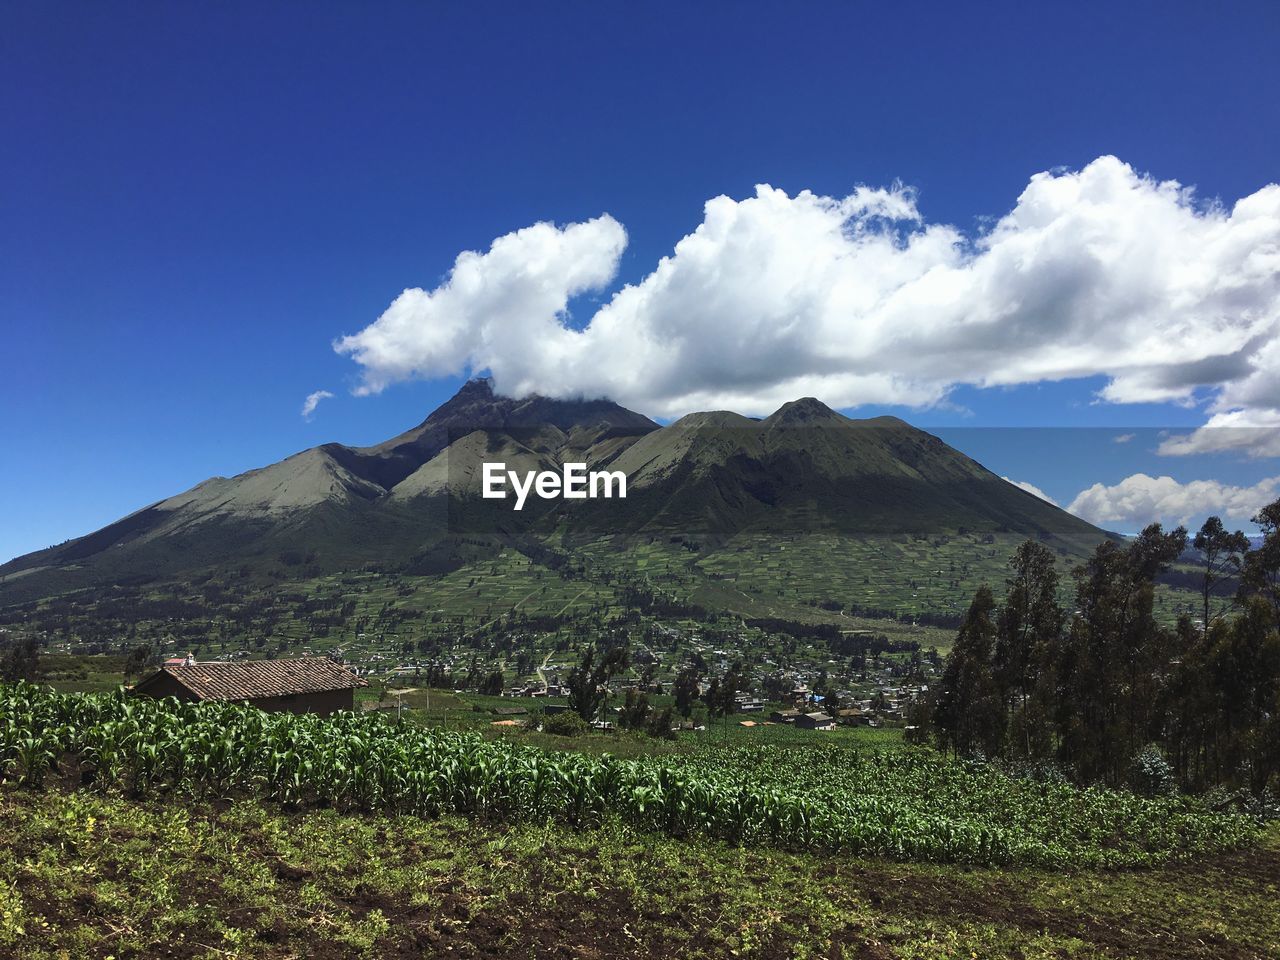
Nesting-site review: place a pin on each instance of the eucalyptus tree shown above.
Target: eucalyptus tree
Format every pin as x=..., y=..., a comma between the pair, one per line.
x=588, y=681
x=1221, y=555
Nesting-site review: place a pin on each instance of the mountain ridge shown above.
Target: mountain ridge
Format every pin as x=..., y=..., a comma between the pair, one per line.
x=804, y=467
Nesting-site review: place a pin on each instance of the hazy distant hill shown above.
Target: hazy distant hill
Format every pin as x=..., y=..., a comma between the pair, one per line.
x=406, y=504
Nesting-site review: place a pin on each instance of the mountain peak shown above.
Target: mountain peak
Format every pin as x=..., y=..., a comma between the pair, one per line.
x=886, y=420
x=476, y=394
x=712, y=419
x=806, y=410
x=476, y=387
x=477, y=406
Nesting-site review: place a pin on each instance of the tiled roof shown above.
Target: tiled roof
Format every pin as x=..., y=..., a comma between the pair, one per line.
x=254, y=679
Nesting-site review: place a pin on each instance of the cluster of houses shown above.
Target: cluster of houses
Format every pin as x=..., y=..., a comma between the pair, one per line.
x=323, y=685
x=814, y=720
x=553, y=687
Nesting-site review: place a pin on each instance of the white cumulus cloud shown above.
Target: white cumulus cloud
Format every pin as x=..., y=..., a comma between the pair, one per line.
x=1140, y=499
x=503, y=309
x=1031, y=488
x=313, y=400
x=1255, y=433
x=857, y=300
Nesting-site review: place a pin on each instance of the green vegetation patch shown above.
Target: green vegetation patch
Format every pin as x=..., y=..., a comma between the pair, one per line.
x=87, y=875
x=913, y=805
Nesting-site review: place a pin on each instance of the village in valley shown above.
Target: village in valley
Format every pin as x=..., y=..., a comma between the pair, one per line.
x=496, y=643
x=798, y=686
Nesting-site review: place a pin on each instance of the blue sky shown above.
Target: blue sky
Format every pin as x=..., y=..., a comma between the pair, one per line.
x=198, y=199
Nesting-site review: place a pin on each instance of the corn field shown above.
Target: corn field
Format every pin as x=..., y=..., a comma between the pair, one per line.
x=910, y=804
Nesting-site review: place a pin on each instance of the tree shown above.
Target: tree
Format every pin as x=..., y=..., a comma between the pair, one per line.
x=1245, y=663
x=635, y=710
x=139, y=659
x=1028, y=626
x=721, y=695
x=567, y=724
x=659, y=724
x=778, y=686
x=588, y=681
x=1115, y=656
x=729, y=687
x=686, y=690
x=20, y=660
x=968, y=713
x=831, y=702
x=1116, y=692
x=1261, y=571
x=1221, y=553
x=1191, y=705
x=713, y=699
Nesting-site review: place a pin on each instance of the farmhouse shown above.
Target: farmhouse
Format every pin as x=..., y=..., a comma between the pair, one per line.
x=305, y=685
x=815, y=721
x=853, y=717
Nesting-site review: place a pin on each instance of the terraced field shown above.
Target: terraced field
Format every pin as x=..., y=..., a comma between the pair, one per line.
x=906, y=589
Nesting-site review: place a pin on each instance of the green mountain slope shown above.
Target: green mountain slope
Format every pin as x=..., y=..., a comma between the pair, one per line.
x=807, y=469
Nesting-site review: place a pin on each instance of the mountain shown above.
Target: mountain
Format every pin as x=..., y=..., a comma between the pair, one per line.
x=808, y=468
x=411, y=504
x=334, y=506
x=594, y=429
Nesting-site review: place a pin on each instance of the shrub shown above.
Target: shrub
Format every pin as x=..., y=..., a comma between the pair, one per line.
x=567, y=724
x=659, y=724
x=1150, y=774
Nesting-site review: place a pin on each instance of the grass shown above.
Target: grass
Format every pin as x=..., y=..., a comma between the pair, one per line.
x=83, y=674
x=630, y=744
x=472, y=711
x=84, y=875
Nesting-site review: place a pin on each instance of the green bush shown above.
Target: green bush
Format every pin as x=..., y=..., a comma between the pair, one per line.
x=567, y=724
